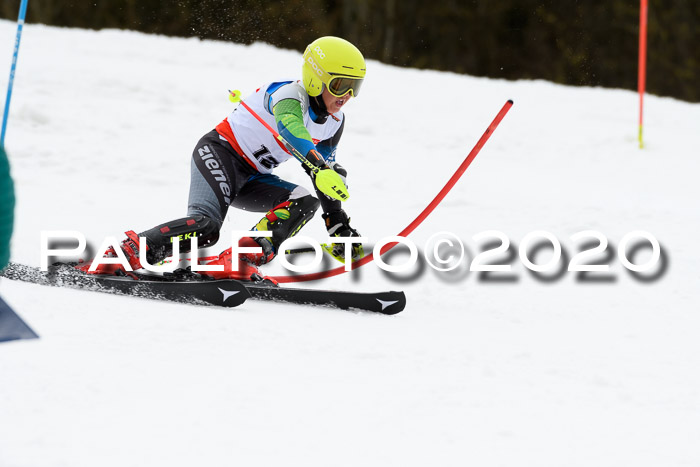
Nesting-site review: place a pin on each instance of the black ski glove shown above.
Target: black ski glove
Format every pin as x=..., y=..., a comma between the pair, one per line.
x=340, y=170
x=316, y=159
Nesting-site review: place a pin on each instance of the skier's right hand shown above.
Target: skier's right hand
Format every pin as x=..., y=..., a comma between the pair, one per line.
x=330, y=184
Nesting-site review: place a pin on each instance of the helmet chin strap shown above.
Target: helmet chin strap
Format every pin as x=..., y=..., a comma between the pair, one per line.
x=319, y=108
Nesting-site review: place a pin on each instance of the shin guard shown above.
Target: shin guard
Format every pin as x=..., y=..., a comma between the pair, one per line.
x=284, y=221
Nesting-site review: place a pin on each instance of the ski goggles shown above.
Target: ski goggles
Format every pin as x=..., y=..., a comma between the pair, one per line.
x=341, y=85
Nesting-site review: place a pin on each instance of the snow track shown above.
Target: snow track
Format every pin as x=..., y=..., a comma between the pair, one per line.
x=525, y=372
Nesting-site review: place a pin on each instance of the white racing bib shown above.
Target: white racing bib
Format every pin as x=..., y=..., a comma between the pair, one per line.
x=258, y=144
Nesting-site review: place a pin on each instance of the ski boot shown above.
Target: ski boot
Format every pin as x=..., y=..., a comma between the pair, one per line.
x=338, y=225
x=247, y=262
x=284, y=221
x=130, y=247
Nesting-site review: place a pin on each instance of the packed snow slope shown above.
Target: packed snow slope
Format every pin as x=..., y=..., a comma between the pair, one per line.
x=524, y=372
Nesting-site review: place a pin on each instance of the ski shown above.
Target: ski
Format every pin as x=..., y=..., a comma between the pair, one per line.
x=226, y=293
x=388, y=303
x=184, y=286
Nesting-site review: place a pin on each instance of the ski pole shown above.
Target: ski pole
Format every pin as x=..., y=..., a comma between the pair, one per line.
x=328, y=181
x=20, y=24
x=421, y=217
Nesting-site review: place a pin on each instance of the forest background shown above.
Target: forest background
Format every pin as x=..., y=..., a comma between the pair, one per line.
x=577, y=42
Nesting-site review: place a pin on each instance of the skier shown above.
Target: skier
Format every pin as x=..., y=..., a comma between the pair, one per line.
x=232, y=166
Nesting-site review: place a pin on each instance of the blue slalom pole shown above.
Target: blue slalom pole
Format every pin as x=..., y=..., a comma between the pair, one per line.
x=20, y=24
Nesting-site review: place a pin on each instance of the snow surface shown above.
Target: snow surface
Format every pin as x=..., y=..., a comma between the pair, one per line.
x=527, y=372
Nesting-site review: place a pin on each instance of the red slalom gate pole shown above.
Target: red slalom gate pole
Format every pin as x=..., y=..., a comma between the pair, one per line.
x=641, y=72
x=421, y=217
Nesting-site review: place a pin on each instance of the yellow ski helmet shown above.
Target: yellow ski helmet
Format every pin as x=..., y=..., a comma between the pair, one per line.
x=335, y=63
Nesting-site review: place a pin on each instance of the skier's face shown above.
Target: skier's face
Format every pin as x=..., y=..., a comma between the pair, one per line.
x=334, y=104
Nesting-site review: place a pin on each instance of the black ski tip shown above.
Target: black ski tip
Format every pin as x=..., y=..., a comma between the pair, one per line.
x=224, y=292
x=233, y=293
x=510, y=101
x=390, y=303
